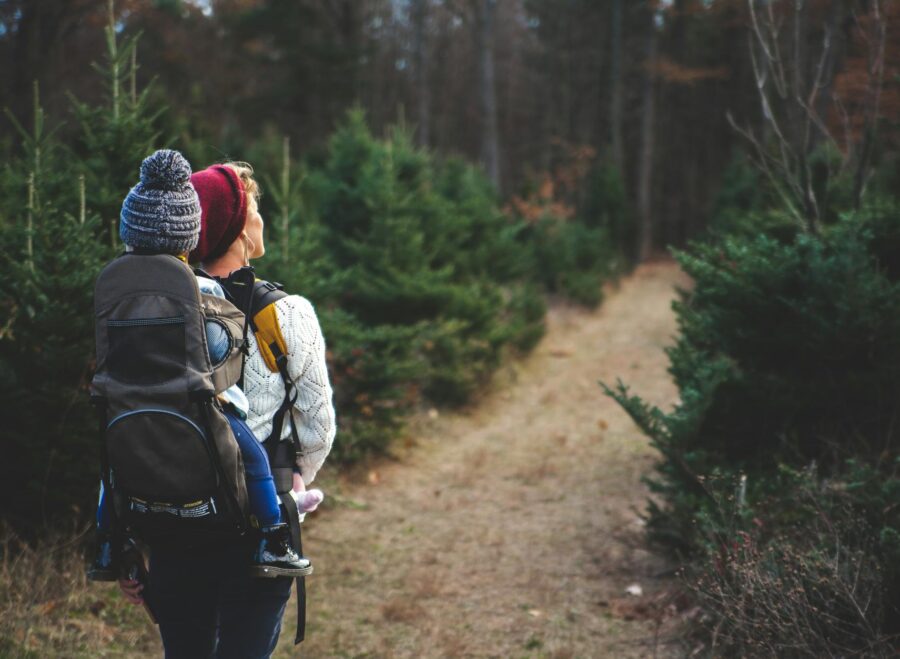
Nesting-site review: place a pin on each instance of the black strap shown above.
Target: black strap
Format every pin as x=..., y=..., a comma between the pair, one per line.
x=239, y=289
x=297, y=538
x=284, y=410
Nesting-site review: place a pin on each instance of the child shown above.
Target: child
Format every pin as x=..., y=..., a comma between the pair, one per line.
x=161, y=214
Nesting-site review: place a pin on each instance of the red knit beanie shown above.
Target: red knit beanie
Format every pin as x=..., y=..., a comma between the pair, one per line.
x=223, y=202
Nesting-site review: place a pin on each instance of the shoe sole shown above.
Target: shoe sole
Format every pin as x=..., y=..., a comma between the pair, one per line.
x=268, y=571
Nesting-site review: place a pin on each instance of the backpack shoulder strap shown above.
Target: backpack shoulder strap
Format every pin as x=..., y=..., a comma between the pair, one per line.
x=257, y=298
x=270, y=339
x=264, y=323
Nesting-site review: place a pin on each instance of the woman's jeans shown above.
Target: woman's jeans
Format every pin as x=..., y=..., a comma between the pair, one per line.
x=207, y=606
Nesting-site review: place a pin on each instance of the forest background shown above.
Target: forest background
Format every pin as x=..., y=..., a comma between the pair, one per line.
x=433, y=169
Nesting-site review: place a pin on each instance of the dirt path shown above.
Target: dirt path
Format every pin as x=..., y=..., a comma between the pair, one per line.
x=510, y=530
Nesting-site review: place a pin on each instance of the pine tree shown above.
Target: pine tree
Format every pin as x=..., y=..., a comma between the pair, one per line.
x=59, y=226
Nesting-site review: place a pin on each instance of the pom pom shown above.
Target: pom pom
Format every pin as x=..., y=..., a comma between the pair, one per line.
x=165, y=170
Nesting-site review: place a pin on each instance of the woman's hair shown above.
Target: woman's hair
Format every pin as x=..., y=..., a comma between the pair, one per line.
x=245, y=172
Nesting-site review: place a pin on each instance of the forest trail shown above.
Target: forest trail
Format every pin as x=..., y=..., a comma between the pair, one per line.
x=510, y=529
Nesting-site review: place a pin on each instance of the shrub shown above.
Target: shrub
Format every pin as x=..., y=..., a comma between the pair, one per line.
x=416, y=273
x=787, y=353
x=50, y=251
x=572, y=259
x=788, y=367
x=405, y=252
x=806, y=572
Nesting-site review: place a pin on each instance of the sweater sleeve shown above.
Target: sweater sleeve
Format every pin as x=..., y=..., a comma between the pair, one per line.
x=313, y=412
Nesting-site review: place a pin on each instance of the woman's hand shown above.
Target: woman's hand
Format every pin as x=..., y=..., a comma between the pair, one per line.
x=131, y=589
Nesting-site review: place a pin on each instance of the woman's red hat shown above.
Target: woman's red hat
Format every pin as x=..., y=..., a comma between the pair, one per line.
x=223, y=202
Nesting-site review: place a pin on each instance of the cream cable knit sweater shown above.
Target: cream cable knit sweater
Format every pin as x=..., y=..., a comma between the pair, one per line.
x=313, y=412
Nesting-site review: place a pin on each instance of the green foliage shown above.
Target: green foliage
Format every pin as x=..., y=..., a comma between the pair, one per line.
x=421, y=282
x=571, y=259
x=408, y=252
x=788, y=367
x=113, y=139
x=59, y=227
x=374, y=373
x=788, y=353
x=606, y=207
x=416, y=274
x=745, y=206
x=46, y=348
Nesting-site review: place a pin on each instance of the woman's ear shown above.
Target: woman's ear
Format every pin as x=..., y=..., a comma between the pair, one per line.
x=249, y=245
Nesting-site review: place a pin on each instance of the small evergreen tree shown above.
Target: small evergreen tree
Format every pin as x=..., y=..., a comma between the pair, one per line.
x=59, y=226
x=113, y=139
x=51, y=256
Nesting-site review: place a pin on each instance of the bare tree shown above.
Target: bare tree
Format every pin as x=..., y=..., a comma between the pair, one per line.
x=648, y=139
x=616, y=129
x=490, y=142
x=795, y=97
x=419, y=16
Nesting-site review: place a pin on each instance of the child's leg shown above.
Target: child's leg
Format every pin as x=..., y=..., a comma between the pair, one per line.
x=260, y=486
x=104, y=517
x=104, y=566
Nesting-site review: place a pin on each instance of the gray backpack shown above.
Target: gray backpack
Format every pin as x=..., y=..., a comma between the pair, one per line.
x=168, y=455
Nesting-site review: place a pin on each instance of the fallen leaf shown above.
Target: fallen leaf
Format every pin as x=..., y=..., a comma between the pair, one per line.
x=535, y=613
x=48, y=607
x=374, y=478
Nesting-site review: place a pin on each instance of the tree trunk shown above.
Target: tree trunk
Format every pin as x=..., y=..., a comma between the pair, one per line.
x=419, y=15
x=645, y=175
x=615, y=89
x=490, y=148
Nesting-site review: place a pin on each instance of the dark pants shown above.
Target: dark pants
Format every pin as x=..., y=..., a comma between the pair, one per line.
x=207, y=607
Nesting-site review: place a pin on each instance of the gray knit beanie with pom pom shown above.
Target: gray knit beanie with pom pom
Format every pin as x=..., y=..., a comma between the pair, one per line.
x=162, y=212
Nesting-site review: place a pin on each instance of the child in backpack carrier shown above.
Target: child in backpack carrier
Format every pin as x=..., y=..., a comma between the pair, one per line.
x=161, y=214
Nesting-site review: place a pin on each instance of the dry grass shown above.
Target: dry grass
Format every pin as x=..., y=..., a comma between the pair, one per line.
x=48, y=608
x=782, y=598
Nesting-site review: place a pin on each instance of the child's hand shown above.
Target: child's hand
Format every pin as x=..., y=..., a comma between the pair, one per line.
x=298, y=484
x=131, y=589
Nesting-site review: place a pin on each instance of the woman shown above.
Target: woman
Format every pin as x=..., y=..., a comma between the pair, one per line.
x=202, y=596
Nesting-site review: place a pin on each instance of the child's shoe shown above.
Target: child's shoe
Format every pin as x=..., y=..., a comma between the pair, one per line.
x=276, y=557
x=104, y=567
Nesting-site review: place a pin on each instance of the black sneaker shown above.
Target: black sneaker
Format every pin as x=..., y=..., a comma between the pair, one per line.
x=104, y=567
x=276, y=557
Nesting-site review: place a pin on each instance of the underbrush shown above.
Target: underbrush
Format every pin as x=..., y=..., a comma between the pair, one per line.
x=778, y=482
x=808, y=572
x=47, y=607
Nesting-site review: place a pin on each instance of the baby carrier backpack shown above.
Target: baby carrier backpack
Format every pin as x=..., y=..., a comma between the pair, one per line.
x=168, y=456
